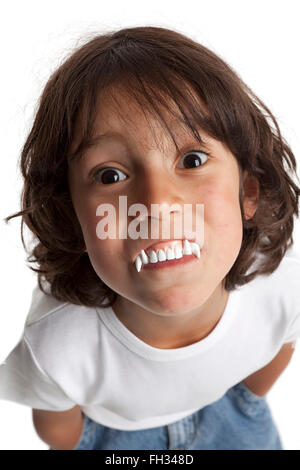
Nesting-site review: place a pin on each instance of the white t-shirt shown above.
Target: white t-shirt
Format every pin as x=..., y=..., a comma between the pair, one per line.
x=75, y=355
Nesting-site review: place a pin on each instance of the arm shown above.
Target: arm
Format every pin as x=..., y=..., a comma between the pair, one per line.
x=61, y=430
x=263, y=379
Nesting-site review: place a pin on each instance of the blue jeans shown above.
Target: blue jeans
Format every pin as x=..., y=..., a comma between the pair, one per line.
x=240, y=420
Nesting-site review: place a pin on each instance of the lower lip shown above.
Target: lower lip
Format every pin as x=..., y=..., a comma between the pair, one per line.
x=170, y=263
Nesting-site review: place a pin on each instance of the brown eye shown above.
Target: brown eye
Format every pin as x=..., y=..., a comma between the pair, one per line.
x=193, y=159
x=108, y=176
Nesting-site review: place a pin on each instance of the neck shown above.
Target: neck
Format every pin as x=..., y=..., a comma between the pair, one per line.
x=168, y=332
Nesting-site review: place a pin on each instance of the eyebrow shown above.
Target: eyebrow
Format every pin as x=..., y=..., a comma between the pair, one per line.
x=96, y=140
x=93, y=142
x=175, y=125
x=100, y=137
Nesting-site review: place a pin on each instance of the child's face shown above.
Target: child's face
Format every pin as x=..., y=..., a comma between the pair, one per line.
x=152, y=175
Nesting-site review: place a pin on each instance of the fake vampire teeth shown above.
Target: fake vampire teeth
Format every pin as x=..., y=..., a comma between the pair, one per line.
x=189, y=248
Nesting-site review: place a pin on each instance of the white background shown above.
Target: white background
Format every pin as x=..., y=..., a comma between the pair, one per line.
x=258, y=38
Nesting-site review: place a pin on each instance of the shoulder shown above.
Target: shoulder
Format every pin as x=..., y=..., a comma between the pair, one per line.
x=290, y=263
x=274, y=299
x=47, y=310
x=283, y=281
x=60, y=332
x=42, y=305
x=286, y=278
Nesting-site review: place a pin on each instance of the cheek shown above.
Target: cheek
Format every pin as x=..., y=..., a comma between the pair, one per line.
x=106, y=255
x=223, y=219
x=88, y=222
x=87, y=209
x=106, y=259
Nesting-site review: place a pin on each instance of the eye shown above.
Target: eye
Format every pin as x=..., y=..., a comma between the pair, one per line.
x=108, y=175
x=194, y=159
x=111, y=175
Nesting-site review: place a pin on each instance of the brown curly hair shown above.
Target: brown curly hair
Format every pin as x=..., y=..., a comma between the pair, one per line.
x=169, y=64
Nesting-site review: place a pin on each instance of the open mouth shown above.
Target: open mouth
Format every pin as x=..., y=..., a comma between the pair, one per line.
x=168, y=257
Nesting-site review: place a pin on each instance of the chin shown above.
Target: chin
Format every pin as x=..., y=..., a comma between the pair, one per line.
x=175, y=305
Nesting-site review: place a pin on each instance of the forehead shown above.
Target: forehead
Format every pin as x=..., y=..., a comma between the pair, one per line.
x=121, y=115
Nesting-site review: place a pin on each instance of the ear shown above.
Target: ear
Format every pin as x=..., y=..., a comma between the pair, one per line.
x=251, y=194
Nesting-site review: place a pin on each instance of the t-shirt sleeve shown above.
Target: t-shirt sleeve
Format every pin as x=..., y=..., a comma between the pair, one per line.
x=290, y=282
x=22, y=380
x=293, y=331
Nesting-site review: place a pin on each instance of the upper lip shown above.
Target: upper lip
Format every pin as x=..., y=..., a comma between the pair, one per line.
x=148, y=245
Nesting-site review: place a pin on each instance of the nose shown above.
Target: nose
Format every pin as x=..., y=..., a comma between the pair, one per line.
x=159, y=186
x=159, y=191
